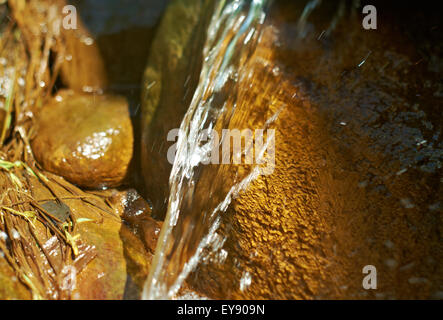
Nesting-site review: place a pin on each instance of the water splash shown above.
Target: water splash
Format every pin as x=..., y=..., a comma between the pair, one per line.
x=199, y=193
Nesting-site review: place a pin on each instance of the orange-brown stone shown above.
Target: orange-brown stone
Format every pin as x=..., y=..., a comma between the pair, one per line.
x=87, y=139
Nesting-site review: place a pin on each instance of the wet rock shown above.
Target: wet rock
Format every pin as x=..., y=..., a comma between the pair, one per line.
x=98, y=226
x=124, y=36
x=121, y=256
x=10, y=287
x=151, y=231
x=136, y=212
x=83, y=68
x=78, y=56
x=138, y=262
x=169, y=81
x=100, y=268
x=139, y=235
x=87, y=139
x=132, y=206
x=307, y=230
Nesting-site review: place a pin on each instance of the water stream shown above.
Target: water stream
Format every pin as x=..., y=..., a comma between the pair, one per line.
x=201, y=192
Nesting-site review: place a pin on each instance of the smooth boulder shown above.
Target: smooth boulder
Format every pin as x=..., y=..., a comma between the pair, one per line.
x=87, y=139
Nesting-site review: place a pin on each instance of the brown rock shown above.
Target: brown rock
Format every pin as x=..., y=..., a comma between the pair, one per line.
x=83, y=68
x=104, y=277
x=356, y=179
x=340, y=197
x=105, y=245
x=136, y=212
x=170, y=78
x=138, y=262
x=77, y=54
x=87, y=139
x=151, y=231
x=139, y=234
x=10, y=287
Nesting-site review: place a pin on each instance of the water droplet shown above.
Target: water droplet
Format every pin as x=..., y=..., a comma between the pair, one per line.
x=15, y=234
x=88, y=41
x=87, y=89
x=245, y=281
x=3, y=236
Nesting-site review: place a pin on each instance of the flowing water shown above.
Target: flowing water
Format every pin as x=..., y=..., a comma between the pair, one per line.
x=358, y=170
x=312, y=69
x=200, y=192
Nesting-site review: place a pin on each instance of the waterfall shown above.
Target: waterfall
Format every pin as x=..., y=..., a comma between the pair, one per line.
x=200, y=192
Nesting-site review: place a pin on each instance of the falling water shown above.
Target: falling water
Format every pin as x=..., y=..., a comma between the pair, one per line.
x=199, y=192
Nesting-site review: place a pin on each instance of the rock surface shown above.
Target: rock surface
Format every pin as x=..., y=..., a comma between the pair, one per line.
x=139, y=234
x=354, y=184
x=83, y=68
x=169, y=81
x=358, y=163
x=136, y=213
x=87, y=139
x=119, y=256
x=105, y=277
x=10, y=287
